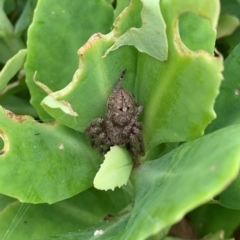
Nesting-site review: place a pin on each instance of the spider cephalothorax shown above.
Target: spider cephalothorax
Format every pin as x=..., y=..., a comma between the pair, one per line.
x=121, y=126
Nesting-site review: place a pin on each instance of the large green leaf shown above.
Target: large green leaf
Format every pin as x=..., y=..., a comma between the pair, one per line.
x=48, y=162
x=59, y=28
x=170, y=113
x=169, y=187
x=21, y=221
x=228, y=111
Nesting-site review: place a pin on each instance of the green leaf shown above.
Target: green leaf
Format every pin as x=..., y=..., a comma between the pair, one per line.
x=231, y=41
x=230, y=7
x=6, y=27
x=120, y=6
x=210, y=218
x=6, y=52
x=161, y=87
x=171, y=113
x=7, y=38
x=12, y=67
x=227, y=105
x=169, y=187
x=20, y=221
x=22, y=107
x=60, y=28
x=216, y=236
x=5, y=201
x=150, y=38
x=196, y=39
x=230, y=198
x=115, y=170
x=109, y=230
x=41, y=157
x=26, y=17
x=226, y=25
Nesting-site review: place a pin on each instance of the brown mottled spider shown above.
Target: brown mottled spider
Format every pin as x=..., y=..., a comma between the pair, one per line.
x=121, y=127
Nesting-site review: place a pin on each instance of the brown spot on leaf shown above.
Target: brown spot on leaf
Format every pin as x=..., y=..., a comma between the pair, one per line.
x=89, y=43
x=19, y=118
x=2, y=152
x=70, y=108
x=108, y=217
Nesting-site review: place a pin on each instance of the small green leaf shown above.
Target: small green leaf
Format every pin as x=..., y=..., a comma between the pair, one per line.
x=26, y=17
x=115, y=170
x=220, y=235
x=6, y=27
x=12, y=67
x=226, y=25
x=151, y=37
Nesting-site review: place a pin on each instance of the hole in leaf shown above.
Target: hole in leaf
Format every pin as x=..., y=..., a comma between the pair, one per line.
x=196, y=32
x=2, y=151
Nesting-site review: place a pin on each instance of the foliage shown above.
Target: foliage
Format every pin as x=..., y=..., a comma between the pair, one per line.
x=60, y=61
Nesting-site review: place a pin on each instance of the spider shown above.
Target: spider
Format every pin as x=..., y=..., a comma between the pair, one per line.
x=121, y=126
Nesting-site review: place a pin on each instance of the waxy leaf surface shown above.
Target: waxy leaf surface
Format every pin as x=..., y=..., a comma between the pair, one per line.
x=172, y=112
x=59, y=28
x=48, y=162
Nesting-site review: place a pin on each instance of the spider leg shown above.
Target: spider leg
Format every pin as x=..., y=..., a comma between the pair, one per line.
x=132, y=125
x=103, y=143
x=132, y=146
x=99, y=122
x=138, y=134
x=139, y=111
x=110, y=132
x=96, y=131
